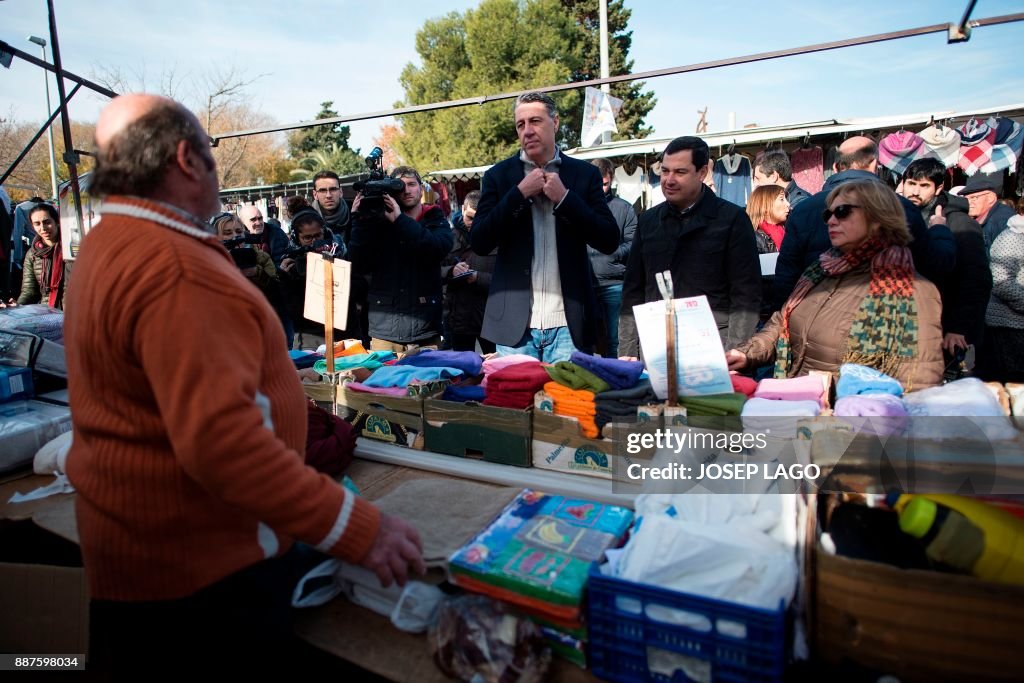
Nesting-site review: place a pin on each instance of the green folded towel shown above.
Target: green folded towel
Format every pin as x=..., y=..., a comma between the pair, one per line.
x=575, y=377
x=718, y=405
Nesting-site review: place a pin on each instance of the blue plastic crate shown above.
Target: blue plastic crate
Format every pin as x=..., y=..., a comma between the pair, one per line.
x=721, y=641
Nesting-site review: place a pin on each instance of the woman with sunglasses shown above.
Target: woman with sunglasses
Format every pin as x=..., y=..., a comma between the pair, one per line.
x=862, y=302
x=44, y=278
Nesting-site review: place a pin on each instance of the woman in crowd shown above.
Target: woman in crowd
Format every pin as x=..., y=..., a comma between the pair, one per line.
x=768, y=210
x=861, y=302
x=255, y=264
x=44, y=278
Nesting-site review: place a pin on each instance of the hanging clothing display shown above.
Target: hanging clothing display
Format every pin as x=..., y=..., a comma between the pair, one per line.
x=1006, y=147
x=654, y=194
x=629, y=186
x=807, y=168
x=732, y=178
x=976, y=140
x=897, y=151
x=943, y=143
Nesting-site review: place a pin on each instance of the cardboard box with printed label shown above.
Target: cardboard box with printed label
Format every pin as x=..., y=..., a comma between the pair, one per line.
x=558, y=444
x=472, y=430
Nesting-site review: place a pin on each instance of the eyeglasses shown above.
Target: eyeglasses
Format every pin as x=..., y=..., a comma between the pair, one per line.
x=327, y=190
x=841, y=212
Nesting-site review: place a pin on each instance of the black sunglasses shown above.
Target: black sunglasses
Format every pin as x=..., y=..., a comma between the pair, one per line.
x=842, y=211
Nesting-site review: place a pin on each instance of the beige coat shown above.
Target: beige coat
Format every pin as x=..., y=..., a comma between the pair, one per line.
x=820, y=329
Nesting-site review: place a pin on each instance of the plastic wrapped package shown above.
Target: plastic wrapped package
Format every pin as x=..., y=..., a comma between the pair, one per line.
x=477, y=639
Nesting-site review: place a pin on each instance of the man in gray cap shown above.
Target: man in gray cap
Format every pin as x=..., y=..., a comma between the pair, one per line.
x=982, y=195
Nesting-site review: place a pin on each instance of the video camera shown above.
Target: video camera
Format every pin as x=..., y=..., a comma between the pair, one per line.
x=318, y=247
x=376, y=186
x=241, y=240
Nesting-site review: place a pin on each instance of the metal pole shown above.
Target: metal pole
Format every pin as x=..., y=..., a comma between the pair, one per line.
x=605, y=87
x=643, y=75
x=41, y=42
x=70, y=156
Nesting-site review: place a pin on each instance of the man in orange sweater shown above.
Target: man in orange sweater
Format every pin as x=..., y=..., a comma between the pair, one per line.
x=190, y=423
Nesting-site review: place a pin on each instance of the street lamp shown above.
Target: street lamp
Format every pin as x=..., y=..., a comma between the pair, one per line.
x=41, y=42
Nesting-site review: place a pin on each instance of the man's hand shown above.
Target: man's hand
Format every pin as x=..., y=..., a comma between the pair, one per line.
x=553, y=188
x=358, y=200
x=937, y=219
x=391, y=209
x=951, y=342
x=460, y=268
x=396, y=549
x=532, y=184
x=737, y=360
x=287, y=264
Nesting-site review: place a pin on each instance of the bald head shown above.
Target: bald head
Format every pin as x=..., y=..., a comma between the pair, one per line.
x=125, y=110
x=859, y=152
x=252, y=218
x=151, y=146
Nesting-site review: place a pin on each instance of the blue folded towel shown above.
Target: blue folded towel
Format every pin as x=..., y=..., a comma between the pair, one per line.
x=460, y=393
x=620, y=374
x=467, y=361
x=857, y=380
x=404, y=375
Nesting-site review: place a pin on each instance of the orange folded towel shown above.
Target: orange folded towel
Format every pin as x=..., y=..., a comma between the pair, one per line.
x=575, y=403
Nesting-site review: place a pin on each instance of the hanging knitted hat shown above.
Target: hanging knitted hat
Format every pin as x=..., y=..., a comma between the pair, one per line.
x=896, y=151
x=943, y=143
x=976, y=140
x=1007, y=146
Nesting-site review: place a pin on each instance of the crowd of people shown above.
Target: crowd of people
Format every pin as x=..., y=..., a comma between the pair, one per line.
x=181, y=324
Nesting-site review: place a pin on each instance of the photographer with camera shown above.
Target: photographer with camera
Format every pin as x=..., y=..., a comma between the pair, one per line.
x=400, y=244
x=310, y=235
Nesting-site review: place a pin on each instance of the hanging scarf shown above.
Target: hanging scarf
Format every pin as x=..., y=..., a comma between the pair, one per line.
x=52, y=273
x=884, y=329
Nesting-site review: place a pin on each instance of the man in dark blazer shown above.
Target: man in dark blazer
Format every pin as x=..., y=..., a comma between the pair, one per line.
x=541, y=209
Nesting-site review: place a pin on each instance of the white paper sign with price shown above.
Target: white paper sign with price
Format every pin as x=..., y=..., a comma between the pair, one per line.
x=700, y=360
x=314, y=308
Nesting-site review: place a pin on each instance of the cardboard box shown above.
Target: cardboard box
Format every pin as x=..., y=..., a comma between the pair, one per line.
x=917, y=625
x=558, y=444
x=25, y=426
x=44, y=598
x=472, y=430
x=392, y=419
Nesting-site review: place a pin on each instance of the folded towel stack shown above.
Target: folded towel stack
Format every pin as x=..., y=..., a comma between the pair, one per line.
x=515, y=385
x=577, y=403
x=860, y=379
x=619, y=374
x=743, y=385
x=713, y=405
x=576, y=377
x=619, y=405
x=404, y=375
x=492, y=365
x=469, y=362
x=804, y=388
x=461, y=393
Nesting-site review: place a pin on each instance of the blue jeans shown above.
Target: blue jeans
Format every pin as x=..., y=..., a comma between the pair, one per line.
x=549, y=346
x=610, y=299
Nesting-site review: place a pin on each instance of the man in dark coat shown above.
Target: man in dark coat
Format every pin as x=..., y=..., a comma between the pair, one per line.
x=541, y=209
x=467, y=277
x=401, y=250
x=707, y=243
x=807, y=235
x=966, y=290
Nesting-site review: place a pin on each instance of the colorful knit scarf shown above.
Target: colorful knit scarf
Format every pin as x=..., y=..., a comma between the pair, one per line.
x=52, y=272
x=884, y=331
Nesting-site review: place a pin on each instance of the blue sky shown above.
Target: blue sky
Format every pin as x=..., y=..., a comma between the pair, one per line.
x=352, y=51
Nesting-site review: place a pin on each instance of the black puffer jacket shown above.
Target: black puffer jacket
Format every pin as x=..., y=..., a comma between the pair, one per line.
x=965, y=291
x=467, y=300
x=403, y=260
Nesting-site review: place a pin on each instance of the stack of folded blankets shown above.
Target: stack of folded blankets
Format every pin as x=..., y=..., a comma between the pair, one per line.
x=514, y=386
x=619, y=374
x=572, y=391
x=467, y=361
x=404, y=380
x=778, y=404
x=368, y=361
x=496, y=363
x=619, y=405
